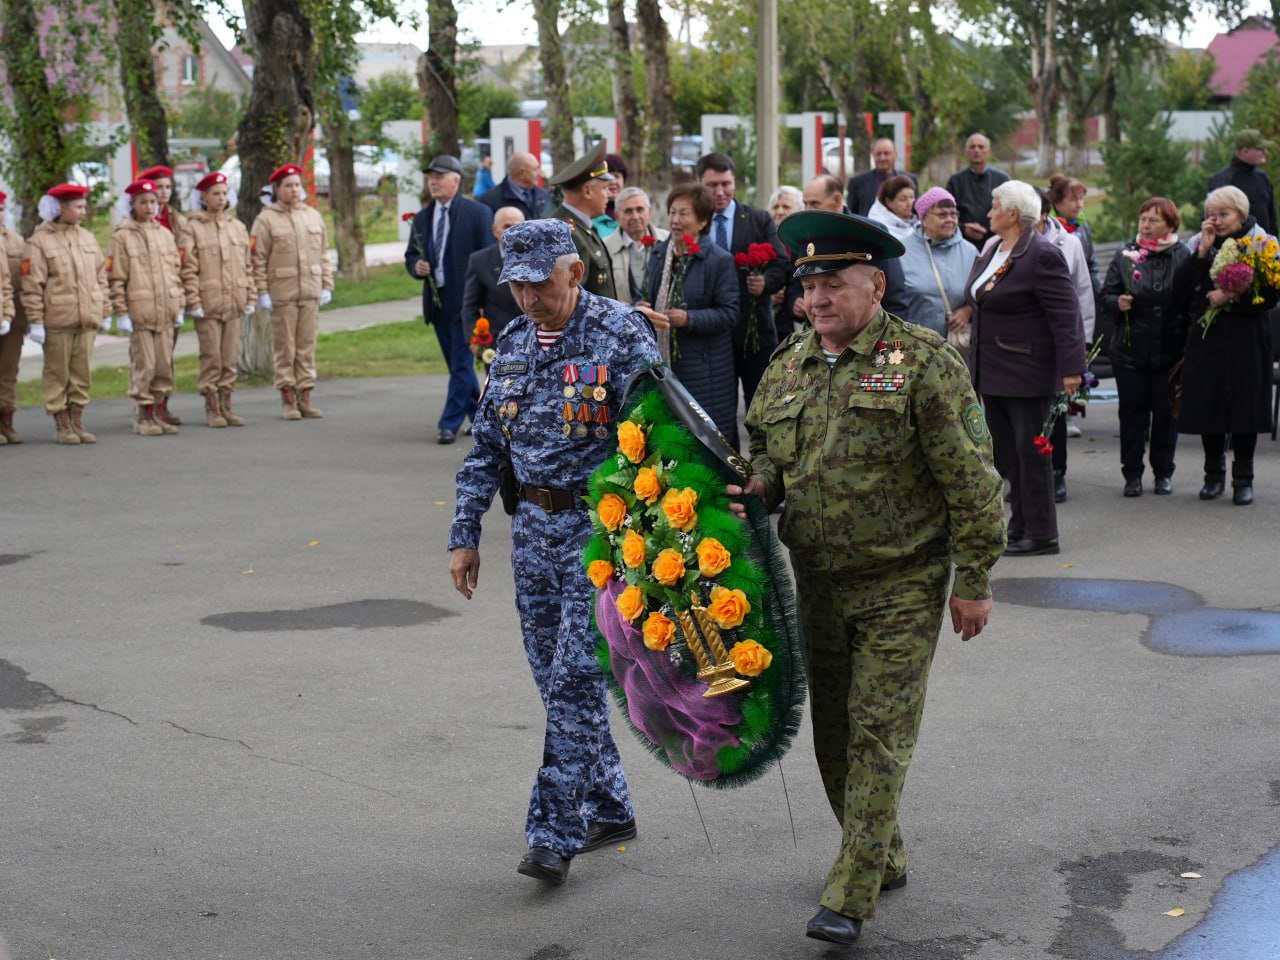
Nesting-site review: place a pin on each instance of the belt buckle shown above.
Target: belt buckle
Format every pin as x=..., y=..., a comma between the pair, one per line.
x=542, y=498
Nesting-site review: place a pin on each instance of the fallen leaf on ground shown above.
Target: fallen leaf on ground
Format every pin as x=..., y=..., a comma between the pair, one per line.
x=250, y=570
x=439, y=503
x=314, y=543
x=1175, y=912
x=1190, y=876
x=1066, y=566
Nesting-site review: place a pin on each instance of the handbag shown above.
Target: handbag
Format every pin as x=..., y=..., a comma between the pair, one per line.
x=960, y=339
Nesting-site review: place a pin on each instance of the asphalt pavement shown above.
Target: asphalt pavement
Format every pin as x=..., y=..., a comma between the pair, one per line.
x=244, y=714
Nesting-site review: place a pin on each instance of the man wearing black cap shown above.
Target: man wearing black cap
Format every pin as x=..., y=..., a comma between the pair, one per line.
x=868, y=428
x=442, y=238
x=1245, y=171
x=586, y=194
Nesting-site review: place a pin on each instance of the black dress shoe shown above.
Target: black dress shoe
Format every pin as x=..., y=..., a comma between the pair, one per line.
x=1133, y=488
x=446, y=436
x=1213, y=487
x=542, y=863
x=833, y=927
x=601, y=834
x=1059, y=487
x=1031, y=548
x=1164, y=486
x=1242, y=494
x=897, y=883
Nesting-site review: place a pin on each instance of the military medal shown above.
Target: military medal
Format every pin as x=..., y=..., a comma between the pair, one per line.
x=883, y=382
x=570, y=378
x=897, y=356
x=588, y=381
x=602, y=417
x=880, y=360
x=583, y=417
x=512, y=409
x=567, y=416
x=602, y=376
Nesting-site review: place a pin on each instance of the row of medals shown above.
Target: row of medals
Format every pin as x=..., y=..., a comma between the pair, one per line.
x=585, y=381
x=894, y=358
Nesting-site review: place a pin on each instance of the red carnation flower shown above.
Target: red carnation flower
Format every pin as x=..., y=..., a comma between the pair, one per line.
x=648, y=240
x=406, y=217
x=693, y=248
x=741, y=261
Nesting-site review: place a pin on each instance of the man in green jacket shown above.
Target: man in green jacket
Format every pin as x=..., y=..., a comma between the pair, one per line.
x=868, y=428
x=584, y=184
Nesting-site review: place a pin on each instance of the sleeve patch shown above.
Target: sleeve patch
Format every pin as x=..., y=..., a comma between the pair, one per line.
x=110, y=260
x=253, y=244
x=25, y=269
x=182, y=254
x=976, y=423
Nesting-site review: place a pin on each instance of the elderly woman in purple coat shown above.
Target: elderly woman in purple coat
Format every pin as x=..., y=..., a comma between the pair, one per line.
x=1028, y=344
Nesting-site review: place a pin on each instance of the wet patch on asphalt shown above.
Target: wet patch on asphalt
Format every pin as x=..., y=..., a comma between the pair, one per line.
x=19, y=693
x=8, y=558
x=1179, y=625
x=354, y=615
x=36, y=729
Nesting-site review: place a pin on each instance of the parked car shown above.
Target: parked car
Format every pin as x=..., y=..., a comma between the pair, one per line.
x=685, y=152
x=373, y=167
x=831, y=156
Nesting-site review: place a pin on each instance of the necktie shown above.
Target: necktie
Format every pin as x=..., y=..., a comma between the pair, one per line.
x=442, y=220
x=722, y=231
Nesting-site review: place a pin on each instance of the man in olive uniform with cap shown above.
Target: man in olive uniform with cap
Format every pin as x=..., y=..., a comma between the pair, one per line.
x=586, y=194
x=869, y=429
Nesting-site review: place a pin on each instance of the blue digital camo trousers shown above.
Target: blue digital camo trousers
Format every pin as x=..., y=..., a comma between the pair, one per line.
x=581, y=776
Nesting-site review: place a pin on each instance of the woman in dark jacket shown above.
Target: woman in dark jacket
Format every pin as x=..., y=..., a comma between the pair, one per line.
x=693, y=299
x=1148, y=340
x=1226, y=378
x=1028, y=343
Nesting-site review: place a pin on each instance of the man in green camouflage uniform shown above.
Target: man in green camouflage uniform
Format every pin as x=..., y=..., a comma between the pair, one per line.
x=869, y=429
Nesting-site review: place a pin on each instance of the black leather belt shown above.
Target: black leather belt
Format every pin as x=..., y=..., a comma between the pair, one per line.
x=552, y=499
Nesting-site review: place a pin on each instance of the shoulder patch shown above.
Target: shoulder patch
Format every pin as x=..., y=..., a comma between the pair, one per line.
x=110, y=261
x=25, y=269
x=976, y=423
x=253, y=243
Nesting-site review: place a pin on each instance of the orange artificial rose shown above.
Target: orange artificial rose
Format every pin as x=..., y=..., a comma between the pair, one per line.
x=679, y=506
x=750, y=659
x=631, y=440
x=658, y=632
x=647, y=485
x=600, y=572
x=631, y=603
x=728, y=607
x=713, y=558
x=633, y=549
x=668, y=568
x=612, y=511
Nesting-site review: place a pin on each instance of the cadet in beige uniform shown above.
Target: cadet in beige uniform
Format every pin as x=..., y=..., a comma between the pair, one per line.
x=171, y=218
x=146, y=297
x=13, y=326
x=217, y=274
x=64, y=293
x=292, y=275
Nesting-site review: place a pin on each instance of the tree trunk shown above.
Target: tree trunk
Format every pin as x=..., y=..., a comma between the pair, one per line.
x=344, y=198
x=136, y=35
x=559, y=128
x=1046, y=87
x=275, y=128
x=32, y=122
x=660, y=121
x=438, y=79
x=625, y=107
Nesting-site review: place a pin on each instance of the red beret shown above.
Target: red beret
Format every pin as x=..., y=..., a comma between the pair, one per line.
x=212, y=180
x=155, y=173
x=289, y=169
x=68, y=191
x=140, y=186
x=3, y=196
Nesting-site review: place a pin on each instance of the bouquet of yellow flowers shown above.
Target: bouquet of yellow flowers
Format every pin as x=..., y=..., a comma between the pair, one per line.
x=1248, y=267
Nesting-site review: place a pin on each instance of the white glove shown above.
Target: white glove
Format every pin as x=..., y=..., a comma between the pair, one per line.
x=264, y=301
x=177, y=324
x=36, y=332
x=106, y=325
x=249, y=309
x=124, y=324
x=5, y=326
x=196, y=314
x=326, y=297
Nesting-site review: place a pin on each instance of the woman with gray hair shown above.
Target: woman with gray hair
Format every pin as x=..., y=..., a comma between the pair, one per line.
x=1028, y=343
x=785, y=201
x=1226, y=373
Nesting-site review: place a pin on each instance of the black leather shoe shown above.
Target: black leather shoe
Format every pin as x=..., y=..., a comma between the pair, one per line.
x=542, y=863
x=1031, y=548
x=602, y=834
x=446, y=436
x=897, y=883
x=1214, y=484
x=1242, y=494
x=1133, y=488
x=1164, y=486
x=1059, y=487
x=833, y=927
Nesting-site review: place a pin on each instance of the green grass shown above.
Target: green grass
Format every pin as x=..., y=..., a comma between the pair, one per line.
x=388, y=281
x=408, y=348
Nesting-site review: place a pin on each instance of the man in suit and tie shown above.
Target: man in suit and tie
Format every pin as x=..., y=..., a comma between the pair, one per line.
x=734, y=227
x=629, y=246
x=864, y=187
x=586, y=194
x=442, y=238
x=519, y=189
x=484, y=295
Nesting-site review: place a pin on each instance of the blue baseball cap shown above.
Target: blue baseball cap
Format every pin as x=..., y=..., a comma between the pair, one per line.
x=532, y=249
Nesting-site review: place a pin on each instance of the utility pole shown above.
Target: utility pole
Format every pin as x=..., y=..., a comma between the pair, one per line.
x=767, y=102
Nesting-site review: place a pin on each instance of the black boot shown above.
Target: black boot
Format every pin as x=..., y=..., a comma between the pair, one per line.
x=1242, y=482
x=1059, y=486
x=1215, y=477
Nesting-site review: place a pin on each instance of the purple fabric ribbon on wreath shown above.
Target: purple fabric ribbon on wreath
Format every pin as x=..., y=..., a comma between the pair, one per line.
x=665, y=703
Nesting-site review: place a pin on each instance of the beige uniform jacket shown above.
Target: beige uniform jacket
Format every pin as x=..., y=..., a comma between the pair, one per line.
x=64, y=278
x=290, y=254
x=11, y=247
x=144, y=274
x=217, y=271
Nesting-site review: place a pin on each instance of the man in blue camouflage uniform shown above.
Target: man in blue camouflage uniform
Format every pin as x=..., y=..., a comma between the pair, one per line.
x=553, y=397
x=869, y=429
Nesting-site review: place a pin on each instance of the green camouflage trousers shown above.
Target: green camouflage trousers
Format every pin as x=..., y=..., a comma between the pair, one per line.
x=871, y=641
